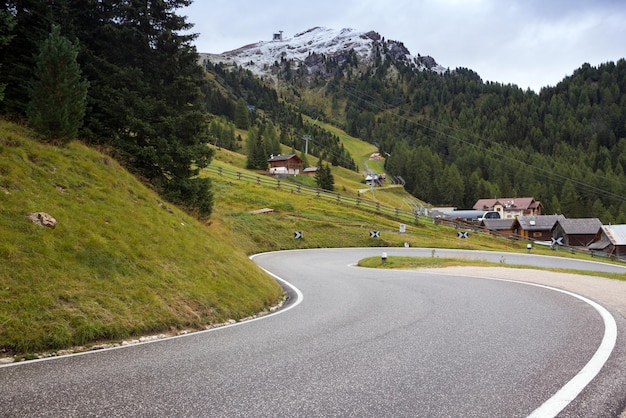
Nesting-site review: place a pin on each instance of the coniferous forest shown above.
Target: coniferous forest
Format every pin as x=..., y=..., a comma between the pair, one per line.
x=453, y=138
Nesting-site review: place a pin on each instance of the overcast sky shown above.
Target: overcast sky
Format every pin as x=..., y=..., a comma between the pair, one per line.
x=531, y=43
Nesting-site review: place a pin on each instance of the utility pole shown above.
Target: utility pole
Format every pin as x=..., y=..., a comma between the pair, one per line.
x=307, y=138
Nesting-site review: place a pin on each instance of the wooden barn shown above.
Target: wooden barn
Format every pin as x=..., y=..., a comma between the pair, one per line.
x=503, y=227
x=610, y=240
x=576, y=232
x=538, y=228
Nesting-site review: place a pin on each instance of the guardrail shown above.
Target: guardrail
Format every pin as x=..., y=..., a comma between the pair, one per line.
x=283, y=184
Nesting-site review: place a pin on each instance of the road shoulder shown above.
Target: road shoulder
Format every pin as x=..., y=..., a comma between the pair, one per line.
x=609, y=293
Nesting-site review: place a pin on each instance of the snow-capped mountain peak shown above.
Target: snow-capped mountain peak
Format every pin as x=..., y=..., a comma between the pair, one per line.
x=309, y=46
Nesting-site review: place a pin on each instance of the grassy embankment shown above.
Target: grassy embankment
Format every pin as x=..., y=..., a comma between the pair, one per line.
x=119, y=263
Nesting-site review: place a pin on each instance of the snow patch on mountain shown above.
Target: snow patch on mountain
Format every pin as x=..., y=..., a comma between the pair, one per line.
x=261, y=56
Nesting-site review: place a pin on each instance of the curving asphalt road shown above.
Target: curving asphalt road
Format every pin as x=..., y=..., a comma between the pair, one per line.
x=355, y=342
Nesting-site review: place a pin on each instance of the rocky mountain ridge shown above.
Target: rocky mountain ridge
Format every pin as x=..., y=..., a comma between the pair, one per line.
x=321, y=52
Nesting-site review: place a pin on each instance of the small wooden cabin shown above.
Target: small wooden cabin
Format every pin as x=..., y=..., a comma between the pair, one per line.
x=285, y=164
x=538, y=228
x=503, y=227
x=576, y=232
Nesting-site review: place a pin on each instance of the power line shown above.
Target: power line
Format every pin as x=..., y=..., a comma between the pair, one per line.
x=374, y=102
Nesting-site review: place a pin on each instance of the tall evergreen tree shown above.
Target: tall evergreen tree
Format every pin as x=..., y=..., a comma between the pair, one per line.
x=272, y=143
x=324, y=177
x=31, y=26
x=257, y=157
x=452, y=186
x=6, y=26
x=304, y=158
x=242, y=115
x=58, y=92
x=152, y=91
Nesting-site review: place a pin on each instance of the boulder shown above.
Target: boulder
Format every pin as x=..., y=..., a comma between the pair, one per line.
x=42, y=219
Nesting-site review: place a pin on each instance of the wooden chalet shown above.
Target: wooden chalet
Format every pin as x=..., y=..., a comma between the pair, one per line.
x=611, y=241
x=503, y=227
x=285, y=164
x=537, y=228
x=576, y=232
x=373, y=179
x=511, y=207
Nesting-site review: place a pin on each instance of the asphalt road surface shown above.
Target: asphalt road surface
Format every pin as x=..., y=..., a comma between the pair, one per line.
x=357, y=343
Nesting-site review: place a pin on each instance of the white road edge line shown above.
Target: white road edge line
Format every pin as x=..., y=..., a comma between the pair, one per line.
x=557, y=402
x=299, y=299
x=575, y=386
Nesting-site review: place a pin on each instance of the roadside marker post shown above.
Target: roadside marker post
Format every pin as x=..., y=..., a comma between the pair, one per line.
x=556, y=243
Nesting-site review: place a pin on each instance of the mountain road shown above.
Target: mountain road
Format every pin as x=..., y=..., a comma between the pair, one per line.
x=363, y=342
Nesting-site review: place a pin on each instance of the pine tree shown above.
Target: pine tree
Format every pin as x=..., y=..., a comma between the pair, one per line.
x=452, y=186
x=6, y=26
x=58, y=93
x=242, y=115
x=324, y=177
x=257, y=157
x=304, y=158
x=148, y=100
x=272, y=143
x=570, y=200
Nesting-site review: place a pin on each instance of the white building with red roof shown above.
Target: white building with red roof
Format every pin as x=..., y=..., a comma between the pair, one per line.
x=511, y=207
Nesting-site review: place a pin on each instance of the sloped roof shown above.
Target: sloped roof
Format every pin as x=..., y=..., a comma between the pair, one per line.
x=538, y=222
x=282, y=157
x=601, y=244
x=615, y=233
x=509, y=203
x=589, y=226
x=498, y=224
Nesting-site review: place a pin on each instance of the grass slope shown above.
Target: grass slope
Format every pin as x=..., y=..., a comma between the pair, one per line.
x=119, y=263
x=323, y=223
x=358, y=149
